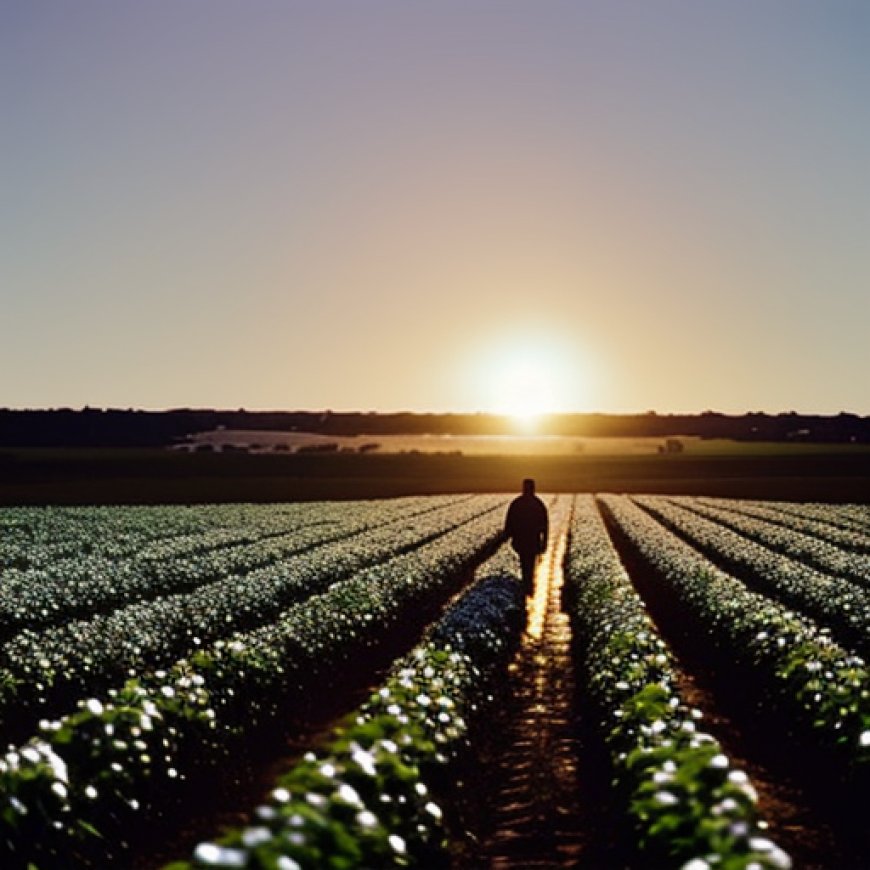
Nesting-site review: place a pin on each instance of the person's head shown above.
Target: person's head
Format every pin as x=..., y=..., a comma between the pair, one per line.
x=528, y=486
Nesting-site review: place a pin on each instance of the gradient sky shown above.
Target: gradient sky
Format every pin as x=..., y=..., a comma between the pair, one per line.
x=394, y=205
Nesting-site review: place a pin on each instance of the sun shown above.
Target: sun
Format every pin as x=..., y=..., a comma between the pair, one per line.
x=525, y=389
x=528, y=376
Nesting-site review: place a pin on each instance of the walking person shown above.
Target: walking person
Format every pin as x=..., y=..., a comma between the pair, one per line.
x=527, y=526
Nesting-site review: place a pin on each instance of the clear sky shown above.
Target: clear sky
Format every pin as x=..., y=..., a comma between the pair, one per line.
x=455, y=205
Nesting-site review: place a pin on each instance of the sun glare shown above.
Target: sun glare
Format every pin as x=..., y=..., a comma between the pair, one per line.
x=530, y=376
x=526, y=390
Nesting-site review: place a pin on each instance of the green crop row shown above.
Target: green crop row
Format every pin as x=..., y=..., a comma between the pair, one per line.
x=93, y=582
x=852, y=517
x=832, y=601
x=830, y=524
x=366, y=799
x=802, y=547
x=819, y=688
x=47, y=670
x=88, y=775
x=686, y=803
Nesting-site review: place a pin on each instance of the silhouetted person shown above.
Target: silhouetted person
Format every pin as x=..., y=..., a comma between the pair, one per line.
x=527, y=526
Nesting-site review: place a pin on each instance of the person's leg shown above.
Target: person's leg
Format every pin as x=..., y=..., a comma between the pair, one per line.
x=527, y=565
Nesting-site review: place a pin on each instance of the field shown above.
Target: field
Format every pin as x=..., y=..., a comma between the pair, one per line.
x=363, y=683
x=796, y=472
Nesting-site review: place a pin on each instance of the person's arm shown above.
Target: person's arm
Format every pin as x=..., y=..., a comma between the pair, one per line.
x=545, y=528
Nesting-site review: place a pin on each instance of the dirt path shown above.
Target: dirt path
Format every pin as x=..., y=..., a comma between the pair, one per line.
x=533, y=809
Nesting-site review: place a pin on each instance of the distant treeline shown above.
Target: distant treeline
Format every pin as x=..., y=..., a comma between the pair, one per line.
x=93, y=427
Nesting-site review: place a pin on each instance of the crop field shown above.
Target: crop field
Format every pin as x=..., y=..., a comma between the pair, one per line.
x=364, y=684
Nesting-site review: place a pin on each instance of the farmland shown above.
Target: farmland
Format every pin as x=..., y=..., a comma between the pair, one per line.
x=363, y=683
x=795, y=472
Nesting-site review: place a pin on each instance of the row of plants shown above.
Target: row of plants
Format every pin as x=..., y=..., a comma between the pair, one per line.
x=40, y=536
x=46, y=671
x=845, y=516
x=820, y=690
x=797, y=545
x=687, y=805
x=832, y=601
x=809, y=523
x=91, y=583
x=369, y=796
x=85, y=778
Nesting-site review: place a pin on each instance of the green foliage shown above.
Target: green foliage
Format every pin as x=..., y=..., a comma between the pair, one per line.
x=121, y=755
x=823, y=688
x=684, y=802
x=365, y=800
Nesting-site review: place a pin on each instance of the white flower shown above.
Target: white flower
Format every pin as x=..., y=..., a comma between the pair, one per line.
x=253, y=837
x=211, y=853
x=665, y=798
x=367, y=819
x=350, y=795
x=365, y=760
x=94, y=706
x=30, y=754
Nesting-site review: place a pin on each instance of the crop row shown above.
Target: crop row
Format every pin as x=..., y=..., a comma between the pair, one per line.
x=821, y=691
x=827, y=530
x=88, y=775
x=832, y=601
x=845, y=516
x=33, y=537
x=89, y=583
x=45, y=671
x=687, y=804
x=803, y=547
x=369, y=797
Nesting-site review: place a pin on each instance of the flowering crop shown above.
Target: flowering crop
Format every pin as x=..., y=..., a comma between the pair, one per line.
x=851, y=517
x=821, y=687
x=120, y=753
x=833, y=601
x=829, y=524
x=99, y=578
x=687, y=804
x=50, y=668
x=366, y=798
x=803, y=547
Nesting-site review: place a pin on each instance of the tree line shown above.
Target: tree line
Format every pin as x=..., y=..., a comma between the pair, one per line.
x=97, y=427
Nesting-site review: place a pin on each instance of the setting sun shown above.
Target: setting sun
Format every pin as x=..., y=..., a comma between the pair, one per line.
x=525, y=389
x=529, y=375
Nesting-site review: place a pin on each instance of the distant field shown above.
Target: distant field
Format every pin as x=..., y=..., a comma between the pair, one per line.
x=786, y=472
x=261, y=441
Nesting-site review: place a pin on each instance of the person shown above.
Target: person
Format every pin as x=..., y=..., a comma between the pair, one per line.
x=527, y=526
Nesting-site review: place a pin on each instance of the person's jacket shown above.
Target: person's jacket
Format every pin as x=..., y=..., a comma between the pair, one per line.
x=527, y=524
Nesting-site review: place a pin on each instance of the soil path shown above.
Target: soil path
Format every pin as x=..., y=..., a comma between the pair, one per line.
x=534, y=815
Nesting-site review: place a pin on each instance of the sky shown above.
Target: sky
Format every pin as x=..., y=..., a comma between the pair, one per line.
x=461, y=205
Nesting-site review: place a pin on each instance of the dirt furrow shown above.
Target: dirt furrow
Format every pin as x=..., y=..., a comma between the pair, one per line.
x=532, y=813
